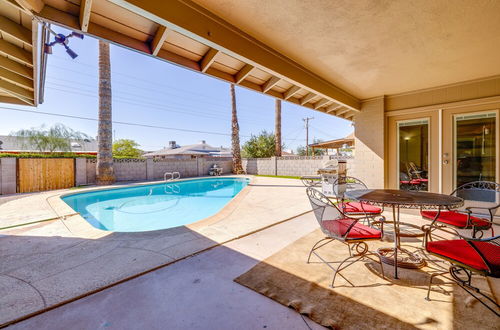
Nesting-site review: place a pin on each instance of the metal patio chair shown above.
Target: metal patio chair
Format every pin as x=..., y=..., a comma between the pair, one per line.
x=472, y=192
x=339, y=227
x=353, y=208
x=468, y=256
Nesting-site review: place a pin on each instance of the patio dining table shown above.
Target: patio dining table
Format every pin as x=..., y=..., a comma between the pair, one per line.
x=397, y=199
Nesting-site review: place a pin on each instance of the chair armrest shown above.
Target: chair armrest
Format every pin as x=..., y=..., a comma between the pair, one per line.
x=482, y=207
x=489, y=239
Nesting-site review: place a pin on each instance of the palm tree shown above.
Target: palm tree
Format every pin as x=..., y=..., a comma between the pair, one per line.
x=277, y=128
x=235, y=135
x=105, y=174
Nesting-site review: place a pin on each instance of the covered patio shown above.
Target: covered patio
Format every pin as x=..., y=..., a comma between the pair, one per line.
x=421, y=83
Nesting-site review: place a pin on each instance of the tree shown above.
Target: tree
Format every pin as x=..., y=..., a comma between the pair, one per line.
x=277, y=128
x=105, y=174
x=260, y=146
x=235, y=135
x=55, y=138
x=301, y=150
x=126, y=148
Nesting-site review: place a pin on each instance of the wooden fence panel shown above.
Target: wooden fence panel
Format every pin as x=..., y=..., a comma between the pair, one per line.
x=39, y=174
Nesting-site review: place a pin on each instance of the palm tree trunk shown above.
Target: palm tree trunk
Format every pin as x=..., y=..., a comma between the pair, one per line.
x=235, y=135
x=105, y=174
x=277, y=128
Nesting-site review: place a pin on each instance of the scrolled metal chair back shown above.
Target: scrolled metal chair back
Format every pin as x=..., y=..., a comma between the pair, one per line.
x=325, y=210
x=352, y=183
x=484, y=191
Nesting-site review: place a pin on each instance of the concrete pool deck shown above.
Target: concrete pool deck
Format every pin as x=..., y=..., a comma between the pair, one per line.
x=50, y=262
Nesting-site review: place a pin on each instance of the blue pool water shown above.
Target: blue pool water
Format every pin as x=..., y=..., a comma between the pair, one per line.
x=153, y=207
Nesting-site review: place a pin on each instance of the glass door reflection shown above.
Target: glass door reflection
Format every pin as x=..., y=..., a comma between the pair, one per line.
x=413, y=149
x=475, y=148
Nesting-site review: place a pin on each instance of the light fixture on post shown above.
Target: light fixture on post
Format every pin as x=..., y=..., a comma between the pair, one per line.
x=63, y=40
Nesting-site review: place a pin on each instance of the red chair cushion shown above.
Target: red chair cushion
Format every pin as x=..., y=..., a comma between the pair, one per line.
x=357, y=207
x=462, y=252
x=454, y=218
x=358, y=231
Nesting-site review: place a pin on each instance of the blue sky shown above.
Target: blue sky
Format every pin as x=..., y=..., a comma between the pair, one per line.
x=153, y=92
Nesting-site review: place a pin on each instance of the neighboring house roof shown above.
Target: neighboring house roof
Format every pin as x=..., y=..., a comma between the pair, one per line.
x=198, y=149
x=334, y=144
x=15, y=143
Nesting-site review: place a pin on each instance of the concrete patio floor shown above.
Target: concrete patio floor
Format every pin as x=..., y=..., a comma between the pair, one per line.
x=46, y=263
x=195, y=293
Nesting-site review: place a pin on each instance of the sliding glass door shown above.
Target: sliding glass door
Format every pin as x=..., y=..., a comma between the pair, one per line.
x=413, y=154
x=475, y=148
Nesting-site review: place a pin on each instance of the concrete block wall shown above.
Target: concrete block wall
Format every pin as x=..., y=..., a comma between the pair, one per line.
x=91, y=171
x=8, y=176
x=206, y=163
x=186, y=167
x=80, y=171
x=130, y=169
x=262, y=166
x=298, y=166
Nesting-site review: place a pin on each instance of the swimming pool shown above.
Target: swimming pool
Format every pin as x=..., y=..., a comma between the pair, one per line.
x=157, y=206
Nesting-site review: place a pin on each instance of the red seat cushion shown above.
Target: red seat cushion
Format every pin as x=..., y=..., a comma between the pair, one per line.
x=358, y=231
x=454, y=218
x=357, y=207
x=461, y=251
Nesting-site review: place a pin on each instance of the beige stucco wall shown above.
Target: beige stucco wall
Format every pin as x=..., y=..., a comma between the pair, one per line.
x=471, y=90
x=369, y=142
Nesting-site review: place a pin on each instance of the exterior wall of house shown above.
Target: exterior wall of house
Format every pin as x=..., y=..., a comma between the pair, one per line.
x=440, y=105
x=369, y=133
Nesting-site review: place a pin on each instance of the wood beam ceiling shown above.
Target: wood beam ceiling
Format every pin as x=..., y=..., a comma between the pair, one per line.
x=270, y=84
x=159, y=40
x=15, y=52
x=291, y=92
x=260, y=57
x=15, y=30
x=85, y=10
x=208, y=59
x=307, y=98
x=16, y=67
x=196, y=22
x=243, y=73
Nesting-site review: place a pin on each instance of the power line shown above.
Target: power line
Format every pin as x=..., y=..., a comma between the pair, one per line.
x=306, y=121
x=120, y=122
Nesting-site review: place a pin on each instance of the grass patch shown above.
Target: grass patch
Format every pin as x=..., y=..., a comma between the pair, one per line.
x=280, y=176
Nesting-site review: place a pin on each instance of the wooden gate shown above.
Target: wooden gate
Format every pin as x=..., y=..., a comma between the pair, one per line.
x=39, y=174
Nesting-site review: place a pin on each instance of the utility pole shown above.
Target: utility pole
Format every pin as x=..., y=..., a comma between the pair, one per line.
x=306, y=121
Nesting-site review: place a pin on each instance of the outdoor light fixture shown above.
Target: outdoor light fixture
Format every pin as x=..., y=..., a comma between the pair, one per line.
x=61, y=39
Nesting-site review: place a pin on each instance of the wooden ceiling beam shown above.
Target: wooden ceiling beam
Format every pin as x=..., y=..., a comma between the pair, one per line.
x=333, y=107
x=208, y=59
x=270, y=84
x=16, y=67
x=13, y=51
x=32, y=5
x=85, y=10
x=243, y=73
x=159, y=39
x=307, y=98
x=15, y=90
x=16, y=31
x=16, y=79
x=342, y=111
x=291, y=92
x=321, y=103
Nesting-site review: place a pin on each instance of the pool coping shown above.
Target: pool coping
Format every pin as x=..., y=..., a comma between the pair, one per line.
x=64, y=211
